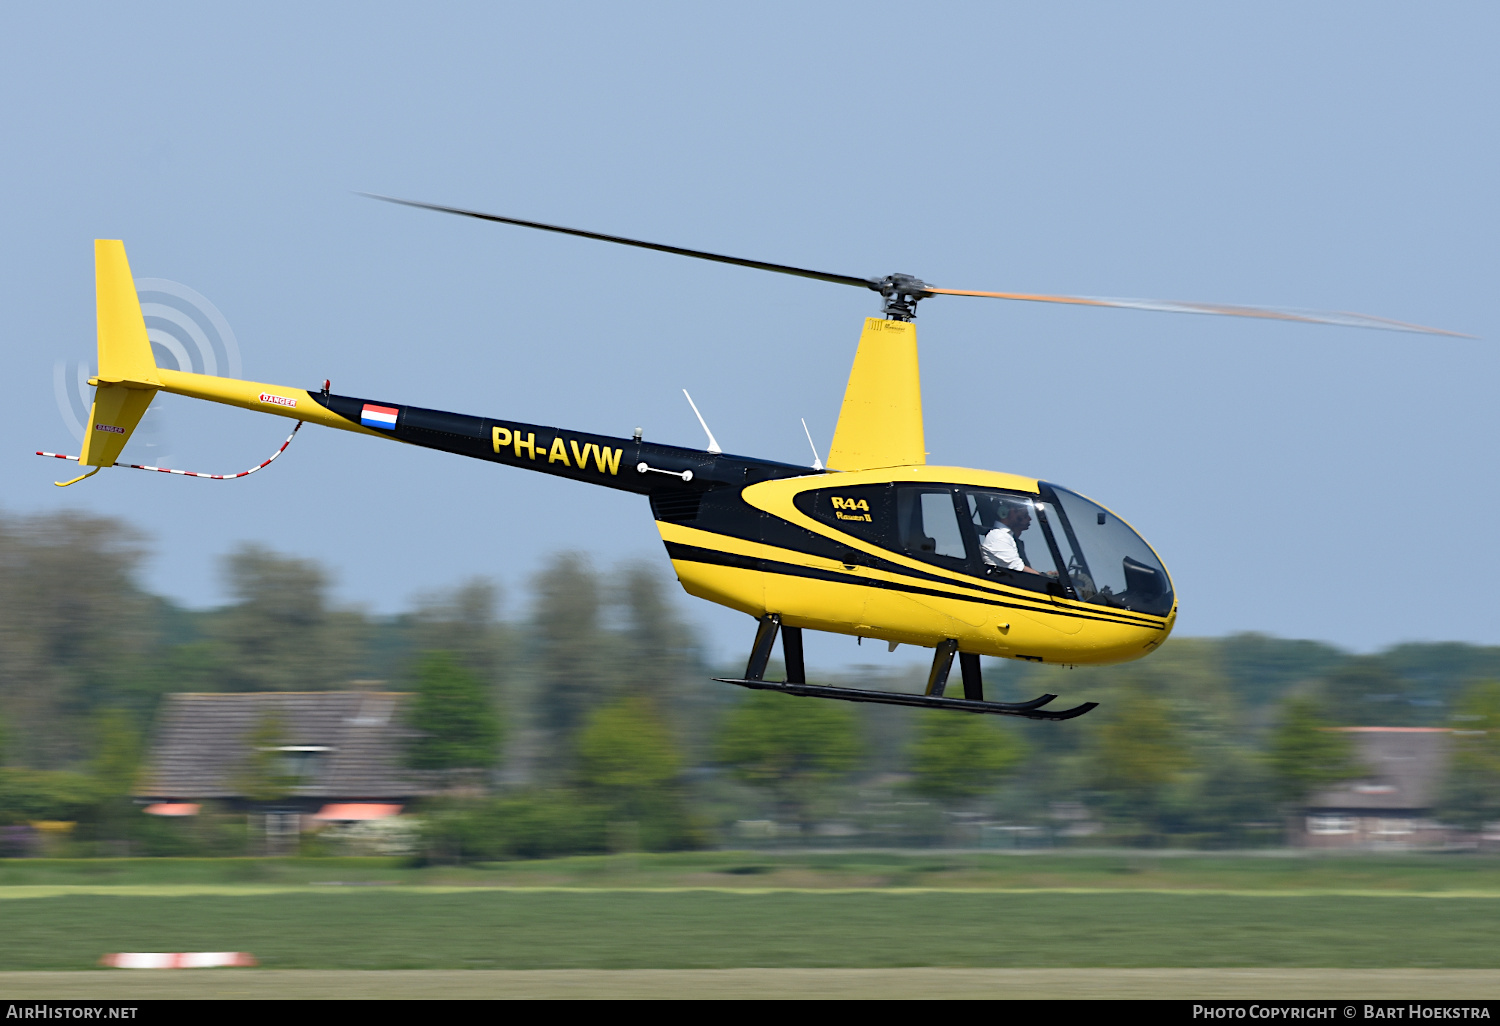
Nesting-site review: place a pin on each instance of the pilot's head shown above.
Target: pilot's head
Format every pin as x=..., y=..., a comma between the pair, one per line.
x=1014, y=515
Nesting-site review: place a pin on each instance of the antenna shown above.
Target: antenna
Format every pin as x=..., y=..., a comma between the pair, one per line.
x=817, y=463
x=713, y=444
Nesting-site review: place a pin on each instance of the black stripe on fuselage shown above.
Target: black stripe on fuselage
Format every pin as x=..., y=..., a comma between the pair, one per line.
x=718, y=557
x=726, y=512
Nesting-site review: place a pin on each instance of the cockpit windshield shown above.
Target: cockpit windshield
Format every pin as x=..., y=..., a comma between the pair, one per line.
x=1108, y=563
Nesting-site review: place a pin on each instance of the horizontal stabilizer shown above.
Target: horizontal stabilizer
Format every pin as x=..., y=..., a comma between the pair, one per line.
x=116, y=412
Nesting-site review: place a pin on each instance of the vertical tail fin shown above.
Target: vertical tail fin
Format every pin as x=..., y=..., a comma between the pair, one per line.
x=127, y=379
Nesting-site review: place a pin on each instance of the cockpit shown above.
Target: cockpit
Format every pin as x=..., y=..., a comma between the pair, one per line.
x=1055, y=542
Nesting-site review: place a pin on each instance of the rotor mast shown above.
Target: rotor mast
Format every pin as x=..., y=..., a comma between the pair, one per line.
x=900, y=294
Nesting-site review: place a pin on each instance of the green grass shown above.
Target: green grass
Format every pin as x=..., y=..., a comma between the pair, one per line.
x=853, y=909
x=374, y=929
x=1434, y=874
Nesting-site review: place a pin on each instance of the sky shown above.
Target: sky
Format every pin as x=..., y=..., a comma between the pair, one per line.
x=1317, y=482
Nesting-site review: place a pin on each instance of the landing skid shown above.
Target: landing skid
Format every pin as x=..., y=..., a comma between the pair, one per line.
x=1031, y=710
x=937, y=680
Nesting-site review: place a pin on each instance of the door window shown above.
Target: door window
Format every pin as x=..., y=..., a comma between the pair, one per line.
x=1011, y=529
x=927, y=522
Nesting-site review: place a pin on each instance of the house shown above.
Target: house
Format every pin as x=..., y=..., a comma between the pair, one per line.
x=296, y=758
x=1390, y=806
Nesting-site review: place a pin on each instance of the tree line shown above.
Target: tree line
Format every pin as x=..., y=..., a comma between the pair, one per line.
x=585, y=719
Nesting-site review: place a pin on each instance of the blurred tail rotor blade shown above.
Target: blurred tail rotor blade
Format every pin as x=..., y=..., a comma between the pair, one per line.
x=801, y=272
x=1350, y=320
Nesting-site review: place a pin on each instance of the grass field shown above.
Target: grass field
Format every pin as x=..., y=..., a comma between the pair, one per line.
x=714, y=911
x=1295, y=873
x=1449, y=985
x=714, y=929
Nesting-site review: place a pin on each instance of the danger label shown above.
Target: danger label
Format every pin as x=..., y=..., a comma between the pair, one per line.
x=277, y=400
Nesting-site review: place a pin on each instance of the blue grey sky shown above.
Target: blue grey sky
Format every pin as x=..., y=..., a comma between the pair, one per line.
x=1312, y=482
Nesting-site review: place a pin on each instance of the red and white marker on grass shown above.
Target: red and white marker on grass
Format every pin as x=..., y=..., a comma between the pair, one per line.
x=178, y=959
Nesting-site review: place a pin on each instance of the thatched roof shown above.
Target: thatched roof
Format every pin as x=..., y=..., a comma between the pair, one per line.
x=1404, y=769
x=347, y=744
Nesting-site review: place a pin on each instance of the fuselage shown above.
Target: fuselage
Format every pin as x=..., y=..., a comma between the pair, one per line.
x=893, y=554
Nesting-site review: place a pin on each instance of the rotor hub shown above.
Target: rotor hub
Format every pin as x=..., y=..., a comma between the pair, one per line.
x=901, y=293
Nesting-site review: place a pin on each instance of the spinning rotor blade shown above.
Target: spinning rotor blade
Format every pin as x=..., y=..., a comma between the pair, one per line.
x=1348, y=320
x=902, y=292
x=801, y=272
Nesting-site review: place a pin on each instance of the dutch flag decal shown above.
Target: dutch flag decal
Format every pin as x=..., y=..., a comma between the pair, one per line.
x=383, y=417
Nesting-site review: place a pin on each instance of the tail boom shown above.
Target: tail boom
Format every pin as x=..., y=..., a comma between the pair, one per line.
x=277, y=400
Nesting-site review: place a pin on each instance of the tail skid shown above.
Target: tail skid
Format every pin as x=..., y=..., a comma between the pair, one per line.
x=74, y=480
x=182, y=473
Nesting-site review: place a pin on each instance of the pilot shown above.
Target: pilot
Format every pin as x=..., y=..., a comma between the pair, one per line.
x=1002, y=545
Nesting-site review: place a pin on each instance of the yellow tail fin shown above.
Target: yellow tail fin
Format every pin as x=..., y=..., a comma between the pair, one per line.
x=880, y=424
x=127, y=379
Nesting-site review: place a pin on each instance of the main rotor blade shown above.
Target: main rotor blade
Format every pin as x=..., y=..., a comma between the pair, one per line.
x=1351, y=320
x=922, y=290
x=801, y=272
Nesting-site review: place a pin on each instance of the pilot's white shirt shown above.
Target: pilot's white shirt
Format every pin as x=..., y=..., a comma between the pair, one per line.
x=999, y=549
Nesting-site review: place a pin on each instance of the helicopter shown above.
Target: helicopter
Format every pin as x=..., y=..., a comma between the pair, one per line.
x=876, y=544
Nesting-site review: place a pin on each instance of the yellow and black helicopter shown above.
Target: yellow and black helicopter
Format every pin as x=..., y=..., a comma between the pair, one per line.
x=878, y=544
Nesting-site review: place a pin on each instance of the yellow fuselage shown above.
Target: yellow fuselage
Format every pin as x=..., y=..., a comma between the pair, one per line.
x=891, y=596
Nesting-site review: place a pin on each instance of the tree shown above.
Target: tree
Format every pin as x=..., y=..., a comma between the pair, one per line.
x=1140, y=753
x=954, y=757
x=626, y=751
x=279, y=634
x=1365, y=692
x=1139, y=747
x=628, y=761
x=1228, y=802
x=30, y=795
x=117, y=756
x=1471, y=792
x=655, y=653
x=453, y=717
x=1305, y=754
x=656, y=647
x=1261, y=668
x=572, y=672
x=72, y=620
x=791, y=748
x=463, y=622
